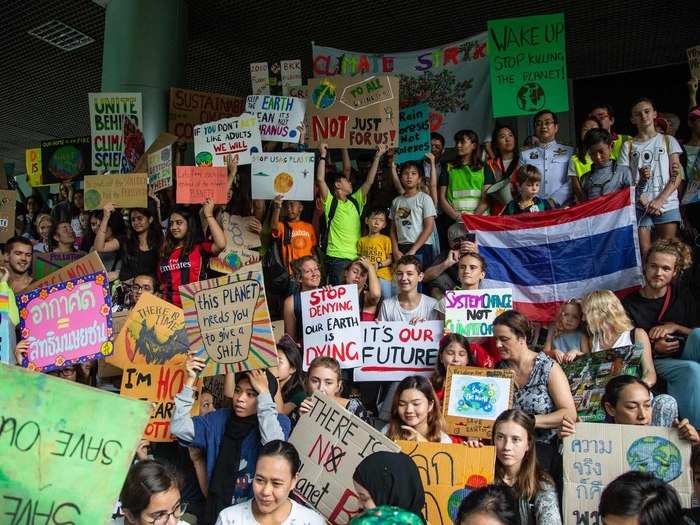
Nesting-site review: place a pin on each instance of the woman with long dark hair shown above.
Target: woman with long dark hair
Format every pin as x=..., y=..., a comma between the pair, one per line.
x=505, y=162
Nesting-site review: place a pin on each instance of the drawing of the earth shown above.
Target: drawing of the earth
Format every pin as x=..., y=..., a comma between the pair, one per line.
x=530, y=97
x=454, y=501
x=323, y=96
x=478, y=397
x=657, y=456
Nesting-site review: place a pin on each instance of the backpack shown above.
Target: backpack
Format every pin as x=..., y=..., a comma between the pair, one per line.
x=325, y=225
x=277, y=279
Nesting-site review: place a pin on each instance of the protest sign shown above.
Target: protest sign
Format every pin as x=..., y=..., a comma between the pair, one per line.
x=694, y=61
x=195, y=184
x=290, y=72
x=472, y=312
x=7, y=339
x=239, y=241
x=32, y=164
x=189, y=108
x=107, y=112
x=46, y=263
x=589, y=374
x=90, y=263
x=237, y=136
x=228, y=322
x=8, y=203
x=65, y=448
x=393, y=350
x=359, y=112
x=414, y=133
x=278, y=329
x=331, y=321
x=331, y=443
x=66, y=323
x=453, y=79
x=134, y=145
x=528, y=65
x=65, y=159
x=288, y=174
x=474, y=398
x=124, y=190
x=260, y=78
x=279, y=118
x=153, y=334
x=598, y=453
x=295, y=91
x=160, y=169
x=449, y=473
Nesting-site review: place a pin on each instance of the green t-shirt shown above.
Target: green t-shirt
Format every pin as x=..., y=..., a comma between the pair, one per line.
x=345, y=228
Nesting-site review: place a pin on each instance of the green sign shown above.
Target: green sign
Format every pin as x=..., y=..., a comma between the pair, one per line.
x=527, y=59
x=65, y=448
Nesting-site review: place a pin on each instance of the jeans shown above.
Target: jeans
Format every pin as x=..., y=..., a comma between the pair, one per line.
x=334, y=270
x=682, y=376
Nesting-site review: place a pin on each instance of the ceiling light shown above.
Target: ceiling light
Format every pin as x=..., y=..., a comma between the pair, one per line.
x=60, y=35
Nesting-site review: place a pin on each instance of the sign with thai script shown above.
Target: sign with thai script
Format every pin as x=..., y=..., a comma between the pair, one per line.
x=32, y=164
x=474, y=398
x=124, y=190
x=189, y=108
x=288, y=174
x=392, y=350
x=65, y=159
x=331, y=443
x=66, y=323
x=360, y=112
x=44, y=264
x=239, y=243
x=472, y=312
x=90, y=263
x=195, y=184
x=8, y=203
x=280, y=118
x=414, y=133
x=107, y=112
x=598, y=453
x=237, y=136
x=331, y=321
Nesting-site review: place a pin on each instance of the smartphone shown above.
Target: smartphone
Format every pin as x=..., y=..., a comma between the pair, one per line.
x=470, y=237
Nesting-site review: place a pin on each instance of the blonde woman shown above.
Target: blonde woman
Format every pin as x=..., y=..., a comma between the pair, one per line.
x=43, y=224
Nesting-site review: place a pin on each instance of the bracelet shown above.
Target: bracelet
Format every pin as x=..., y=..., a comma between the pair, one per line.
x=322, y=158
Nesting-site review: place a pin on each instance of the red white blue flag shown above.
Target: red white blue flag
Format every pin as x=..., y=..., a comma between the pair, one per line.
x=553, y=256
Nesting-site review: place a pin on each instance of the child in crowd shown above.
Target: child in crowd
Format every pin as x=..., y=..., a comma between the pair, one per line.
x=489, y=505
x=694, y=512
x=580, y=161
x=376, y=247
x=565, y=338
x=290, y=375
x=605, y=175
x=529, y=179
x=640, y=498
x=302, y=234
x=453, y=351
x=361, y=272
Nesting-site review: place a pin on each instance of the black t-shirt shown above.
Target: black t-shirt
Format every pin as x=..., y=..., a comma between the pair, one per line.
x=644, y=312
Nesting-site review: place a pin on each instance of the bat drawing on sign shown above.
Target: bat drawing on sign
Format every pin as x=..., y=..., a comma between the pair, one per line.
x=155, y=351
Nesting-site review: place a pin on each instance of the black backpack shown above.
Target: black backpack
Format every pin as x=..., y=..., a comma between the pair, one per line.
x=325, y=225
x=277, y=280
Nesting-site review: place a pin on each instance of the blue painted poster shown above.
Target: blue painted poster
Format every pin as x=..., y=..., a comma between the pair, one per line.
x=414, y=133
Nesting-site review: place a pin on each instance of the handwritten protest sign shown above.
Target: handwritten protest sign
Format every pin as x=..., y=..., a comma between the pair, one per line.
x=331, y=443
x=107, y=112
x=239, y=241
x=44, y=264
x=90, y=263
x=66, y=323
x=32, y=164
x=189, y=108
x=331, y=321
x=124, y=190
x=393, y=350
x=295, y=91
x=260, y=78
x=472, y=312
x=160, y=169
x=279, y=118
x=589, y=374
x=290, y=72
x=694, y=61
x=195, y=184
x=414, y=133
x=474, y=398
x=528, y=65
x=359, y=112
x=65, y=159
x=288, y=174
x=449, y=473
x=239, y=136
x=8, y=202
x=598, y=453
x=228, y=322
x=58, y=434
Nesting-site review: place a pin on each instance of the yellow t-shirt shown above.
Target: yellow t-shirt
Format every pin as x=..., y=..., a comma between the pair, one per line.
x=376, y=249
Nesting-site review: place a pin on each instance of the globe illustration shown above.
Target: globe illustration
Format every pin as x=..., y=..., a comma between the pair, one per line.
x=530, y=97
x=66, y=162
x=655, y=455
x=323, y=95
x=478, y=397
x=454, y=500
x=204, y=158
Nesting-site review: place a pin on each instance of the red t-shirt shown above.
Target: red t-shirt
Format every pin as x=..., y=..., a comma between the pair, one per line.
x=182, y=268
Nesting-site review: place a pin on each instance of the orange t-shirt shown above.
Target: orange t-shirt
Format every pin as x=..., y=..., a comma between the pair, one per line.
x=303, y=241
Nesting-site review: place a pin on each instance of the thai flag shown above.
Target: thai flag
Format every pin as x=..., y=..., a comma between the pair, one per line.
x=553, y=256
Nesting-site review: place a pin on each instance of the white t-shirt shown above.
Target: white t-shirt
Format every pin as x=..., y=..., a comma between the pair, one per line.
x=408, y=214
x=391, y=310
x=444, y=437
x=652, y=153
x=242, y=514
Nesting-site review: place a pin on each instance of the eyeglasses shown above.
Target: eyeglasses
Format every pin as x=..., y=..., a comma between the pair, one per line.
x=162, y=519
x=136, y=288
x=545, y=123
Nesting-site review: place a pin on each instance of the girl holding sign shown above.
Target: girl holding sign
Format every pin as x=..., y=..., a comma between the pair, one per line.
x=307, y=273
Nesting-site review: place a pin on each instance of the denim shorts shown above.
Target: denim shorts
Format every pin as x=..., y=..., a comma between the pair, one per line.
x=649, y=221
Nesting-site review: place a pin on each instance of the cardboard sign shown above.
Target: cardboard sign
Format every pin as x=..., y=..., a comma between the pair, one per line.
x=189, y=108
x=288, y=174
x=694, y=61
x=32, y=163
x=160, y=169
x=278, y=329
x=124, y=190
x=528, y=65
x=195, y=184
x=449, y=473
x=228, y=322
x=331, y=321
x=66, y=323
x=290, y=72
x=474, y=398
x=589, y=374
x=58, y=434
x=358, y=112
x=44, y=264
x=295, y=91
x=238, y=136
x=279, y=118
x=472, y=312
x=8, y=203
x=414, y=133
x=393, y=350
x=65, y=159
x=260, y=78
x=153, y=334
x=331, y=443
x=107, y=112
x=598, y=453
x=90, y=263
x=239, y=241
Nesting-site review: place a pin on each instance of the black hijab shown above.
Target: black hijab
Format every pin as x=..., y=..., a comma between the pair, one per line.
x=392, y=478
x=223, y=478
